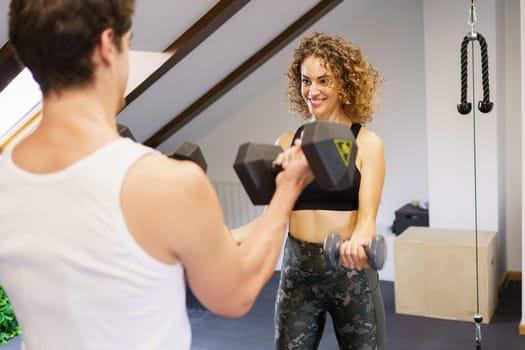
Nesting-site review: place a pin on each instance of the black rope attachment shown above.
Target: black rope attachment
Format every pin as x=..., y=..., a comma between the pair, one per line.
x=484, y=106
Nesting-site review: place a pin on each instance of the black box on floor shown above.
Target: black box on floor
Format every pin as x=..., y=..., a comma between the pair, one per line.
x=409, y=215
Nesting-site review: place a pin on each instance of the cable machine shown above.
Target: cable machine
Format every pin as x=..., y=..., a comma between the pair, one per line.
x=465, y=107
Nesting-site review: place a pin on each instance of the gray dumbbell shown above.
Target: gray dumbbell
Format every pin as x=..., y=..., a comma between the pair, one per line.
x=376, y=251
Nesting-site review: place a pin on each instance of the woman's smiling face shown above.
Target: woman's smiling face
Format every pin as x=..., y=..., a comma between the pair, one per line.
x=319, y=89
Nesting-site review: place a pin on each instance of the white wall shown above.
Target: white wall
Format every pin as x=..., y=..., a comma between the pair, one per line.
x=390, y=34
x=428, y=145
x=509, y=131
x=522, y=42
x=450, y=135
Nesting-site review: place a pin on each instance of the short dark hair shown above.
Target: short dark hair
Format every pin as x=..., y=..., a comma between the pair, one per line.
x=55, y=38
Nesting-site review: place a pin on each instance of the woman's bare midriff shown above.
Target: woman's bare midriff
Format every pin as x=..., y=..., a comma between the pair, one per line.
x=314, y=225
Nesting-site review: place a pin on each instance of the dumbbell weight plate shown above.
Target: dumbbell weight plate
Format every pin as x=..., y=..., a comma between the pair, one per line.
x=190, y=151
x=377, y=250
x=331, y=151
x=254, y=167
x=331, y=250
x=125, y=132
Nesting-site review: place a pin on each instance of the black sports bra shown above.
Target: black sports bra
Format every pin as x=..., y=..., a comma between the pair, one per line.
x=314, y=197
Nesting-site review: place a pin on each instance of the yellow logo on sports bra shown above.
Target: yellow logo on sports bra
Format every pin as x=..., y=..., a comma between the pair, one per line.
x=344, y=147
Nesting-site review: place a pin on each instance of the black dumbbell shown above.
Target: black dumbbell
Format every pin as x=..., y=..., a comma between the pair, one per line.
x=330, y=149
x=376, y=251
x=124, y=131
x=190, y=151
x=255, y=168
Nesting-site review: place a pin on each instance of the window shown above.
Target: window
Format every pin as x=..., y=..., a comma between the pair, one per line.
x=20, y=101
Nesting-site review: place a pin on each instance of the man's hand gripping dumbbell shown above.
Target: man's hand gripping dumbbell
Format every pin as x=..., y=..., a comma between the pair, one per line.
x=329, y=148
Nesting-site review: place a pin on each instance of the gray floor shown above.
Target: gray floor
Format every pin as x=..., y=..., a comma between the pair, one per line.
x=255, y=330
x=403, y=332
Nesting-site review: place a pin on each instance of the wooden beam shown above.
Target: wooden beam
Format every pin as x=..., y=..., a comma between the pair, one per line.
x=246, y=68
x=9, y=65
x=22, y=131
x=188, y=41
x=196, y=34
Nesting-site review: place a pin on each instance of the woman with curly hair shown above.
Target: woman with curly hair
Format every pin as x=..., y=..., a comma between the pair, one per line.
x=330, y=79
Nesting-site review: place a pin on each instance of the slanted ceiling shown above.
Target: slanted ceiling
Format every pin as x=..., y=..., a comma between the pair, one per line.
x=189, y=54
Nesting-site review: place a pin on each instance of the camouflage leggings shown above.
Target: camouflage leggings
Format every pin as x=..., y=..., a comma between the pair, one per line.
x=308, y=290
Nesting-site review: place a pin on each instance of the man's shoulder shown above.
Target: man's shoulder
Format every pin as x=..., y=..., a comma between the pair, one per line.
x=160, y=195
x=161, y=171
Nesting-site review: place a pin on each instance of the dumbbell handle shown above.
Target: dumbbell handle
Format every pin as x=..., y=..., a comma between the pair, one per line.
x=376, y=251
x=276, y=168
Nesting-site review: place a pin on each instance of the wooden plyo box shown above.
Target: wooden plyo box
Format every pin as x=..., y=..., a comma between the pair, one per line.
x=435, y=273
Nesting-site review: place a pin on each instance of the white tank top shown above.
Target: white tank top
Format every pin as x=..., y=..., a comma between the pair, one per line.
x=76, y=277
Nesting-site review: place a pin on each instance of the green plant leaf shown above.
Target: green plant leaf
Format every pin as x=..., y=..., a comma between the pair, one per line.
x=8, y=324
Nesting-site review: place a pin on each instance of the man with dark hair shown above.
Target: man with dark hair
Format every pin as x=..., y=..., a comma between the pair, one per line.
x=99, y=233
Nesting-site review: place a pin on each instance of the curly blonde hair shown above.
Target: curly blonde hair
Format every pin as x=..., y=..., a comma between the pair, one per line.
x=358, y=80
